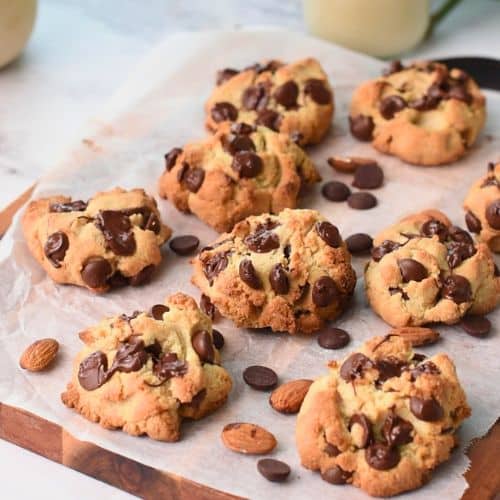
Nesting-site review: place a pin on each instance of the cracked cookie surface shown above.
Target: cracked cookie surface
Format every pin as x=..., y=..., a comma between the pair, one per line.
x=113, y=239
x=295, y=99
x=242, y=170
x=423, y=269
x=144, y=373
x=424, y=113
x=382, y=419
x=289, y=272
x=482, y=206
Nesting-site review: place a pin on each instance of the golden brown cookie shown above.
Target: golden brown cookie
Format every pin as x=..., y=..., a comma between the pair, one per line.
x=295, y=99
x=382, y=419
x=113, y=239
x=242, y=170
x=482, y=206
x=424, y=113
x=425, y=270
x=289, y=272
x=144, y=373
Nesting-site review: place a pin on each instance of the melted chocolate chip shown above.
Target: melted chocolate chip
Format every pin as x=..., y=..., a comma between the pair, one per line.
x=262, y=241
x=247, y=164
x=428, y=410
x=459, y=235
x=369, y=176
x=269, y=118
x=335, y=191
x=158, y=310
x=131, y=356
x=214, y=265
x=248, y=274
x=287, y=94
x=333, y=338
x=223, y=75
x=255, y=97
x=366, y=426
x=458, y=252
x=396, y=431
x=359, y=243
x=55, y=248
x=236, y=143
x=456, y=288
x=92, y=372
x=71, y=206
x=324, y=291
x=95, y=272
x=171, y=158
x=329, y=234
x=143, y=276
x=335, y=475
x=362, y=200
x=354, y=366
x=362, y=127
x=202, y=344
x=242, y=128
x=273, y=470
x=387, y=246
x=260, y=377
x=278, y=279
x=184, y=245
x=434, y=227
x=412, y=270
x=193, y=178
x=318, y=91
x=117, y=231
x=207, y=307
x=391, y=105
x=223, y=111
x=169, y=366
x=428, y=368
x=388, y=368
x=492, y=214
x=381, y=456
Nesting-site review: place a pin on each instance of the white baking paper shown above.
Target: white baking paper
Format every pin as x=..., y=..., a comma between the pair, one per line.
x=160, y=107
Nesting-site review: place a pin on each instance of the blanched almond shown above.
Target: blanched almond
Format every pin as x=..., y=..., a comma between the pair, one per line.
x=288, y=397
x=248, y=438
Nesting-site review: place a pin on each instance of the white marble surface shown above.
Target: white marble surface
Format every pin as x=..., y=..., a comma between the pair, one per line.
x=78, y=55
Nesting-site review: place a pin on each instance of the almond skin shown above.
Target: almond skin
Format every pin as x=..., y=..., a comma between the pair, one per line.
x=39, y=355
x=288, y=397
x=247, y=438
x=349, y=164
x=416, y=335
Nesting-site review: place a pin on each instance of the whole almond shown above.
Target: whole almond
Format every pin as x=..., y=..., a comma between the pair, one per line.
x=416, y=335
x=349, y=164
x=288, y=397
x=248, y=438
x=39, y=355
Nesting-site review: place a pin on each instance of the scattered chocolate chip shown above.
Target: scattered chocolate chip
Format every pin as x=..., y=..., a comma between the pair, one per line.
x=223, y=111
x=92, y=372
x=55, y=248
x=335, y=191
x=354, y=366
x=318, y=91
x=247, y=164
x=207, y=307
x=143, y=276
x=359, y=243
x=273, y=470
x=387, y=246
x=202, y=344
x=362, y=200
x=396, y=431
x=458, y=252
x=381, y=456
x=286, y=94
x=260, y=377
x=428, y=410
x=218, y=339
x=333, y=338
x=366, y=426
x=169, y=366
x=324, y=291
x=329, y=234
x=248, y=274
x=391, y=105
x=492, y=214
x=71, y=206
x=269, y=118
x=477, y=326
x=335, y=475
x=117, y=231
x=262, y=241
x=95, y=272
x=394, y=67
x=235, y=144
x=412, y=270
x=368, y=176
x=331, y=450
x=278, y=279
x=456, y=288
x=171, y=158
x=184, y=245
x=158, y=310
x=255, y=97
x=362, y=127
x=223, y=75
x=434, y=227
x=214, y=265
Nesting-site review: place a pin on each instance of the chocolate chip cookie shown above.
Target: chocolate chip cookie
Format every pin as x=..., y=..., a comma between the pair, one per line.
x=144, y=373
x=242, y=170
x=423, y=269
x=425, y=113
x=295, y=99
x=289, y=272
x=482, y=206
x=382, y=419
x=113, y=239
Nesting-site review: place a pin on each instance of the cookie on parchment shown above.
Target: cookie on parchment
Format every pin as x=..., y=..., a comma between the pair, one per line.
x=242, y=170
x=113, y=239
x=424, y=270
x=144, y=373
x=382, y=419
x=295, y=99
x=482, y=206
x=289, y=272
x=425, y=113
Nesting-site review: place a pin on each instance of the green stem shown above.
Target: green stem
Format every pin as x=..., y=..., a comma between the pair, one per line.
x=440, y=14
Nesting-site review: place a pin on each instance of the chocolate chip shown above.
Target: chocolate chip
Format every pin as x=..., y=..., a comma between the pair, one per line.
x=242, y=128
x=287, y=94
x=131, y=356
x=394, y=67
x=269, y=118
x=324, y=291
x=143, y=276
x=390, y=105
x=171, y=158
x=362, y=127
x=202, y=344
x=354, y=366
x=359, y=243
x=393, y=290
x=329, y=234
x=492, y=214
x=184, y=245
x=118, y=280
x=428, y=410
x=387, y=246
x=389, y=368
x=55, y=248
x=396, y=431
x=362, y=201
x=158, y=310
x=459, y=235
x=456, y=288
x=335, y=475
x=460, y=93
x=273, y=470
x=72, y=206
x=365, y=425
x=223, y=75
x=223, y=111
x=333, y=338
x=477, y=326
x=207, y=307
x=247, y=164
x=412, y=270
x=95, y=272
x=214, y=265
x=193, y=179
x=218, y=339
x=237, y=143
x=169, y=366
x=458, y=252
x=318, y=91
x=248, y=274
x=335, y=191
x=278, y=279
x=92, y=372
x=368, y=177
x=117, y=231
x=382, y=457
x=260, y=377
x=262, y=241
x=331, y=450
x=255, y=97
x=429, y=368
x=434, y=227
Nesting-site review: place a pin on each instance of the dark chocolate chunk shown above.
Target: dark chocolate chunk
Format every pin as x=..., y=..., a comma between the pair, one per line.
x=318, y=91
x=55, y=248
x=255, y=97
x=96, y=271
x=273, y=470
x=260, y=377
x=184, y=245
x=324, y=291
x=262, y=241
x=428, y=410
x=396, y=431
x=247, y=164
x=278, y=279
x=458, y=252
x=203, y=345
x=354, y=366
x=387, y=246
x=131, y=356
x=214, y=265
x=169, y=366
x=381, y=456
x=434, y=227
x=391, y=105
x=236, y=143
x=269, y=118
x=248, y=274
x=193, y=179
x=492, y=214
x=362, y=200
x=412, y=270
x=335, y=191
x=359, y=243
x=117, y=231
x=329, y=234
x=368, y=176
x=362, y=127
x=456, y=288
x=223, y=111
x=286, y=94
x=333, y=338
x=171, y=158
x=335, y=475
